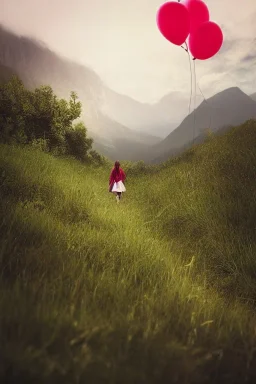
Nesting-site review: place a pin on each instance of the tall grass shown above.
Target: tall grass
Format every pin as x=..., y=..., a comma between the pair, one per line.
x=157, y=289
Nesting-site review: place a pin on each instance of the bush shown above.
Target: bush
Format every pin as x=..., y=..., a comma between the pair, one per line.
x=139, y=168
x=40, y=144
x=95, y=158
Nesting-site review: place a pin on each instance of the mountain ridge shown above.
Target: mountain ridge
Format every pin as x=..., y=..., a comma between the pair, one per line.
x=158, y=118
x=253, y=96
x=231, y=107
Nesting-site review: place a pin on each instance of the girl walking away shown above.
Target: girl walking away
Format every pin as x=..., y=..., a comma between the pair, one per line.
x=116, y=181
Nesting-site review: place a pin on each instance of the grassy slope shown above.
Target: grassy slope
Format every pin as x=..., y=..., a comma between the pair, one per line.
x=158, y=289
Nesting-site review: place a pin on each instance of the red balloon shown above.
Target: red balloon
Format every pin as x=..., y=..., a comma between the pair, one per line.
x=198, y=13
x=206, y=41
x=173, y=22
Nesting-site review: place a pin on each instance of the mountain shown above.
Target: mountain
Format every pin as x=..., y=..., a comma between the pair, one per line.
x=37, y=65
x=5, y=74
x=253, y=96
x=157, y=119
x=228, y=108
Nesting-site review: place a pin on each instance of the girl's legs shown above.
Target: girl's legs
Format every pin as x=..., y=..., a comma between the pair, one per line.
x=117, y=197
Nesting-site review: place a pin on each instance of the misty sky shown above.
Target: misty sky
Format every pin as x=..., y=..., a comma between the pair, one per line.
x=119, y=39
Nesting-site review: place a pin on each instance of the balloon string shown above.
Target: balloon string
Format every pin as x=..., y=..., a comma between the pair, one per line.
x=191, y=87
x=191, y=78
x=210, y=125
x=194, y=102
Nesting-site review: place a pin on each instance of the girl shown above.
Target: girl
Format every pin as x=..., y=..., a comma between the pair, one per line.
x=116, y=179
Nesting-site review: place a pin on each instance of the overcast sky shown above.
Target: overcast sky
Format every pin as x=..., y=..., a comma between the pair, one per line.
x=119, y=39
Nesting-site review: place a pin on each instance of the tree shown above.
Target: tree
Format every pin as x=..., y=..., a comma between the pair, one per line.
x=30, y=117
x=12, y=101
x=78, y=144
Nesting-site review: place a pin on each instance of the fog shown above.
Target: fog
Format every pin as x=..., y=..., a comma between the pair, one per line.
x=121, y=42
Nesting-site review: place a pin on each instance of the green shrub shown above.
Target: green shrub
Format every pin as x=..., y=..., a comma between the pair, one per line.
x=95, y=158
x=41, y=144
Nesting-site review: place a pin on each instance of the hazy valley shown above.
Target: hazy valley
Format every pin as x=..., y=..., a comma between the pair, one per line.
x=120, y=126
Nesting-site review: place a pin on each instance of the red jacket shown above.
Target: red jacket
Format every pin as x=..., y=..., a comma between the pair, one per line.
x=117, y=176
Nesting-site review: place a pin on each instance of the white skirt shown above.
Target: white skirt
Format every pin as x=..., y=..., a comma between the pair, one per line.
x=118, y=187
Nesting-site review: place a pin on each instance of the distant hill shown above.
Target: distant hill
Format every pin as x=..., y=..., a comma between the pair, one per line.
x=253, y=96
x=37, y=65
x=228, y=108
x=157, y=119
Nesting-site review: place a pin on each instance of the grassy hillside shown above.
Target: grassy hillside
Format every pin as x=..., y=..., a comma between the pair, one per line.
x=158, y=289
